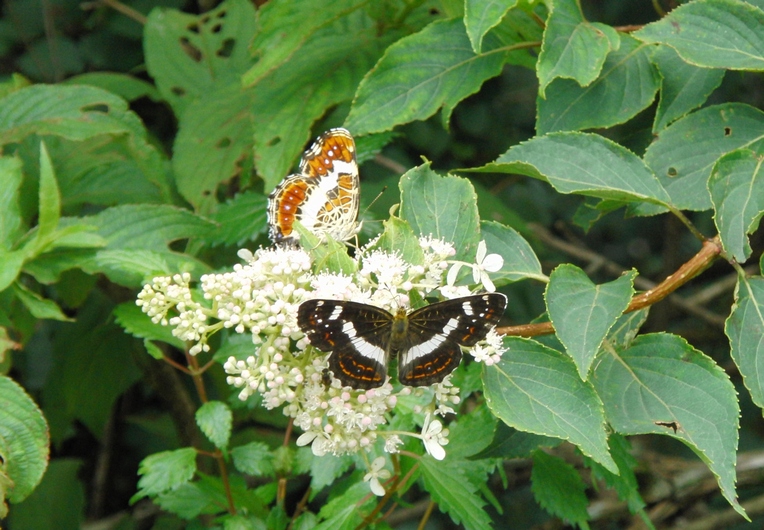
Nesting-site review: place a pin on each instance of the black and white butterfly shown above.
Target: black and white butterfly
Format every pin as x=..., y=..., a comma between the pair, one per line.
x=362, y=337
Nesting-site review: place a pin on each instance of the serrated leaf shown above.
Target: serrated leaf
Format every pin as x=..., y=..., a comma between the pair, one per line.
x=712, y=33
x=326, y=470
x=455, y=495
x=683, y=86
x=254, y=458
x=137, y=323
x=626, y=328
x=443, y=207
x=511, y=443
x=626, y=86
x=520, y=261
x=50, y=200
x=325, y=254
x=582, y=313
x=284, y=27
x=573, y=48
x=123, y=85
x=418, y=75
x=559, y=489
x=191, y=499
x=241, y=219
x=537, y=389
x=187, y=55
x=342, y=512
x=11, y=221
x=472, y=433
x=134, y=267
x=165, y=471
x=25, y=439
x=745, y=327
x=74, y=112
x=215, y=419
x=482, y=15
x=148, y=226
x=582, y=163
x=625, y=482
x=736, y=185
x=684, y=154
x=661, y=383
x=333, y=59
x=399, y=237
x=38, y=306
x=214, y=138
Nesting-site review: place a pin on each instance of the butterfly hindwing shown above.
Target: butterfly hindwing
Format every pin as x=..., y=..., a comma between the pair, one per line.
x=436, y=332
x=356, y=334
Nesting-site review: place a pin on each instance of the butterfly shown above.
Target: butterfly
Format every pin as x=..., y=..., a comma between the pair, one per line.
x=362, y=337
x=323, y=196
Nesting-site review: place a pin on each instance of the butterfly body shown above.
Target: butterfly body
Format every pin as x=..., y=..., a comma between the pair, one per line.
x=323, y=196
x=362, y=338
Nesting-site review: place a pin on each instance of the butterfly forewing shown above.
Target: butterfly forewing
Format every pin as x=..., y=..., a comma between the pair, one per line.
x=437, y=331
x=356, y=334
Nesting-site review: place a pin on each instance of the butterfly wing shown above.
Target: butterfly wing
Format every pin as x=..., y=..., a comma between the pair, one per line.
x=436, y=332
x=324, y=196
x=357, y=335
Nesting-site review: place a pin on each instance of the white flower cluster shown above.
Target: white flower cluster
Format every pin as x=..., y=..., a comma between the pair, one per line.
x=261, y=298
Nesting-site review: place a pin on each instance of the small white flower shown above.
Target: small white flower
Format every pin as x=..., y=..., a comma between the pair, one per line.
x=375, y=474
x=434, y=438
x=485, y=264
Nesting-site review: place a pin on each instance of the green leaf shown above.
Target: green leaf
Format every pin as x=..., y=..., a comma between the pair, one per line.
x=511, y=443
x=343, y=512
x=148, y=226
x=443, y=207
x=683, y=86
x=50, y=200
x=582, y=163
x=58, y=502
x=25, y=439
x=418, y=75
x=334, y=59
x=573, y=48
x=284, y=27
x=482, y=15
x=214, y=418
x=11, y=221
x=137, y=323
x=712, y=33
x=214, y=137
x=745, y=327
x=626, y=328
x=661, y=383
x=254, y=458
x=537, y=389
x=324, y=471
x=625, y=482
x=38, y=306
x=187, y=55
x=738, y=198
x=123, y=85
x=165, y=471
x=582, y=313
x=327, y=254
x=520, y=261
x=134, y=267
x=398, y=236
x=472, y=433
x=74, y=112
x=446, y=482
x=191, y=499
x=241, y=219
x=684, y=154
x=626, y=86
x=10, y=267
x=558, y=488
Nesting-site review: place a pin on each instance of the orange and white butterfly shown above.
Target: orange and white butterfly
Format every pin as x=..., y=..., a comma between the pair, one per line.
x=323, y=196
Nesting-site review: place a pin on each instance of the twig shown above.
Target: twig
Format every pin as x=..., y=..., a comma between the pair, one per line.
x=389, y=163
x=697, y=264
x=119, y=7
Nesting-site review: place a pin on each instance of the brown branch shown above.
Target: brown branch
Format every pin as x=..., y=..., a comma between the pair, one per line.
x=701, y=261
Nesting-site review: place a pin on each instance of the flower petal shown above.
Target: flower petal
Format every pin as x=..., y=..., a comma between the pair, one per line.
x=493, y=262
